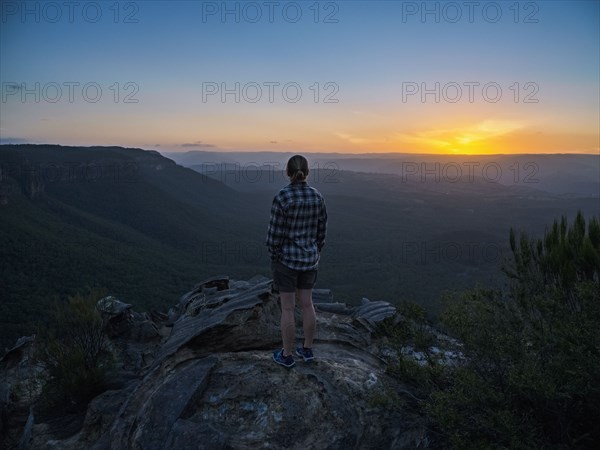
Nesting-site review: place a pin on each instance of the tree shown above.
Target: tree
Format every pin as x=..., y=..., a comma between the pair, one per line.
x=532, y=350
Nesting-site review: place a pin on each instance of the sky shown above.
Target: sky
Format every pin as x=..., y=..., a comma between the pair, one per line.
x=478, y=77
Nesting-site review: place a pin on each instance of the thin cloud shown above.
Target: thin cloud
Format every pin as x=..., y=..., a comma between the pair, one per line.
x=197, y=144
x=357, y=139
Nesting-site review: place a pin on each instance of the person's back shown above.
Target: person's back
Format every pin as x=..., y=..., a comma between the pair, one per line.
x=296, y=235
x=298, y=226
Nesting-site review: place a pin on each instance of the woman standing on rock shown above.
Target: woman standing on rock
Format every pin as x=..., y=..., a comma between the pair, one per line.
x=295, y=238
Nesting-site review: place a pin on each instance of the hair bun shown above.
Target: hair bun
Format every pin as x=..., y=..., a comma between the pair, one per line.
x=297, y=168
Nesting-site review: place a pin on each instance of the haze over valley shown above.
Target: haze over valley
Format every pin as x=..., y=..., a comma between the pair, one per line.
x=145, y=228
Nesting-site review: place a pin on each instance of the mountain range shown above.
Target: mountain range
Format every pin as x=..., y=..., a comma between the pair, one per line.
x=145, y=227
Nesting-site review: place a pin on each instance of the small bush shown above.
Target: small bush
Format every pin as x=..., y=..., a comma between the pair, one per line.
x=73, y=353
x=408, y=327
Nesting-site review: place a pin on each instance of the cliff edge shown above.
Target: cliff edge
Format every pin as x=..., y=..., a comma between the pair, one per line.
x=202, y=376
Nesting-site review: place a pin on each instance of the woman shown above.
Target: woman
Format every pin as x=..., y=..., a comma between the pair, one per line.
x=295, y=238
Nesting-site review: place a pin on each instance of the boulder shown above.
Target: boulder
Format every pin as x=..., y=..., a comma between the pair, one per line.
x=210, y=381
x=19, y=388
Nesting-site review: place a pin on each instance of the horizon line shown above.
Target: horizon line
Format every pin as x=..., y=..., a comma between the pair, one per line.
x=304, y=152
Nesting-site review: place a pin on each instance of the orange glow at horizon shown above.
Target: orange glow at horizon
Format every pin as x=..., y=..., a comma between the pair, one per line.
x=486, y=137
x=333, y=132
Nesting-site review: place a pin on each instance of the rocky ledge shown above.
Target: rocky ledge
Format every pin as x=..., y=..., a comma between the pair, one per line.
x=202, y=377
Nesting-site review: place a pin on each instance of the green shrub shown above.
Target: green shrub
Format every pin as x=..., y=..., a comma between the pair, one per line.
x=73, y=352
x=532, y=351
x=410, y=328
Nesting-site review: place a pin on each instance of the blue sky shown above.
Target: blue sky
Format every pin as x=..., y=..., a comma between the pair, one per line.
x=164, y=54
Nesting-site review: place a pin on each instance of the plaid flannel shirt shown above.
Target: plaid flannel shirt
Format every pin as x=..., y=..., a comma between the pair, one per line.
x=297, y=226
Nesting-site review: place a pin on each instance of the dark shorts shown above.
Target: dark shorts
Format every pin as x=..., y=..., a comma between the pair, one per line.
x=288, y=280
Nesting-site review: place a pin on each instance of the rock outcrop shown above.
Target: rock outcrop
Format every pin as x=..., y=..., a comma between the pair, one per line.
x=202, y=377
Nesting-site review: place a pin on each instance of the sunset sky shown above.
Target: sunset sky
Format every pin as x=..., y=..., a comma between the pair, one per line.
x=347, y=76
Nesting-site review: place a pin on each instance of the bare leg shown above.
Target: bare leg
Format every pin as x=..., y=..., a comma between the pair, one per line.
x=309, y=318
x=288, y=326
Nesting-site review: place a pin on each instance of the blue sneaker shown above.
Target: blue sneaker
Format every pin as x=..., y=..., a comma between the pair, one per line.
x=287, y=361
x=305, y=353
